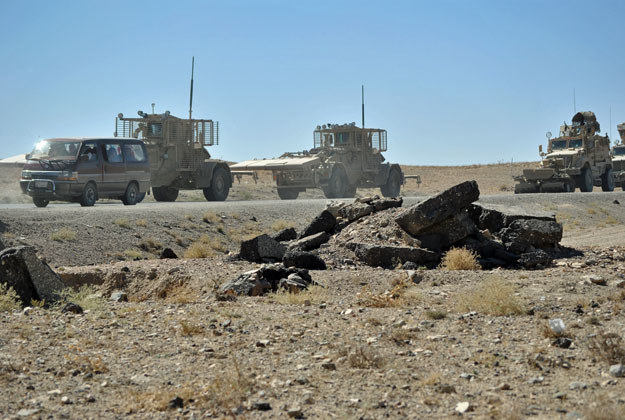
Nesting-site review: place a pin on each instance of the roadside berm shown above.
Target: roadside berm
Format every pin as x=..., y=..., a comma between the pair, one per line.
x=378, y=232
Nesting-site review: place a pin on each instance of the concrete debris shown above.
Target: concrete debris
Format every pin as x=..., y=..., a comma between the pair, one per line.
x=324, y=222
x=365, y=206
x=30, y=277
x=287, y=234
x=262, y=248
x=434, y=210
x=303, y=259
x=267, y=278
x=389, y=256
x=310, y=242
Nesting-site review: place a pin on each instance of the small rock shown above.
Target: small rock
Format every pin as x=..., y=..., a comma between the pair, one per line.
x=168, y=253
x=176, y=403
x=27, y=412
x=620, y=284
x=562, y=342
x=261, y=406
x=119, y=296
x=557, y=325
x=536, y=380
x=72, y=307
x=328, y=366
x=262, y=343
x=617, y=370
x=577, y=385
x=598, y=280
x=295, y=412
x=65, y=400
x=27, y=310
x=463, y=407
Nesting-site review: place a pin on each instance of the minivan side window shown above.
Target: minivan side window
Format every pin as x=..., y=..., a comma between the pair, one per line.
x=134, y=153
x=89, y=150
x=113, y=152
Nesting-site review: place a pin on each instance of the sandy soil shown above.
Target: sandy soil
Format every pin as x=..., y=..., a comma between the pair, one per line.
x=365, y=343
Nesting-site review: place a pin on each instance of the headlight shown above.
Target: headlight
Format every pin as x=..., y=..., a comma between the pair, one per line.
x=67, y=176
x=26, y=175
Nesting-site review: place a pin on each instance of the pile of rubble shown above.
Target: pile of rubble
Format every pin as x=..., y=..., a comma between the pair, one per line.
x=379, y=232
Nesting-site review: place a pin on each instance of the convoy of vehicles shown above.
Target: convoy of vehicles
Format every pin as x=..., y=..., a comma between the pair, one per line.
x=85, y=169
x=578, y=158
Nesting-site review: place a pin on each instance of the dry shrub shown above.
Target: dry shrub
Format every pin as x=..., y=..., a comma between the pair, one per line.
x=180, y=294
x=604, y=408
x=83, y=362
x=313, y=295
x=63, y=234
x=247, y=231
x=151, y=245
x=493, y=296
x=122, y=222
x=460, y=259
x=281, y=224
x=86, y=296
x=609, y=347
x=133, y=254
x=401, y=336
x=141, y=223
x=363, y=357
x=402, y=293
x=436, y=314
x=9, y=300
x=189, y=328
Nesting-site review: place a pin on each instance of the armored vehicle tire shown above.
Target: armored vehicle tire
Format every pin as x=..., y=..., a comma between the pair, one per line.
x=350, y=191
x=525, y=188
x=337, y=184
x=219, y=189
x=89, y=195
x=607, y=180
x=393, y=184
x=585, y=180
x=41, y=202
x=131, y=196
x=165, y=193
x=287, y=193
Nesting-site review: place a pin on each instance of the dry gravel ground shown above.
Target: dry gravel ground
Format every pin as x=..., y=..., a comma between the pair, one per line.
x=365, y=343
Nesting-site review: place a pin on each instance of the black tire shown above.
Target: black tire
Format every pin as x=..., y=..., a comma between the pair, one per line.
x=166, y=194
x=607, y=180
x=140, y=197
x=350, y=191
x=526, y=188
x=220, y=186
x=585, y=181
x=131, y=196
x=336, y=184
x=287, y=193
x=41, y=202
x=89, y=195
x=393, y=184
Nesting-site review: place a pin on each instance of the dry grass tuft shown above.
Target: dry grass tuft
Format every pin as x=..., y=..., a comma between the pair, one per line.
x=402, y=293
x=122, y=222
x=133, y=254
x=150, y=245
x=189, y=328
x=460, y=259
x=363, y=357
x=63, y=234
x=436, y=314
x=493, y=296
x=9, y=300
x=604, y=408
x=141, y=223
x=211, y=217
x=206, y=247
x=247, y=231
x=313, y=295
x=86, y=296
x=281, y=224
x=609, y=347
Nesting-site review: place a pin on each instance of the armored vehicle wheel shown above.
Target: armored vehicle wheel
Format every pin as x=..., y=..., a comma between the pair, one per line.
x=350, y=191
x=607, y=180
x=40, y=202
x=393, y=184
x=89, y=195
x=131, y=196
x=525, y=188
x=585, y=181
x=140, y=197
x=287, y=193
x=219, y=189
x=336, y=185
x=165, y=193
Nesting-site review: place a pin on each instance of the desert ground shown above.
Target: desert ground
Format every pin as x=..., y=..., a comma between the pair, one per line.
x=363, y=343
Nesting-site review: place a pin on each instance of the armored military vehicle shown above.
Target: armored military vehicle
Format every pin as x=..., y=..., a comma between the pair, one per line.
x=578, y=158
x=618, y=159
x=177, y=151
x=344, y=158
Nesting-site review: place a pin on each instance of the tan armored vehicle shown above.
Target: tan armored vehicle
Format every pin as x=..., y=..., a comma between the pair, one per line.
x=344, y=158
x=578, y=158
x=618, y=159
x=178, y=156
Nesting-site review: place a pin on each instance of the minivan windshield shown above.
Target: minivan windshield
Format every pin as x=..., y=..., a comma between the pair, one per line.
x=619, y=151
x=55, y=150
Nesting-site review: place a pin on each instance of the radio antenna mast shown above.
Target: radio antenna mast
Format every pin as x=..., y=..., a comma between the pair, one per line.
x=191, y=95
x=363, y=106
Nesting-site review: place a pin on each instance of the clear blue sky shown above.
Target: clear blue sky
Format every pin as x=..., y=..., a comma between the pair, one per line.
x=453, y=82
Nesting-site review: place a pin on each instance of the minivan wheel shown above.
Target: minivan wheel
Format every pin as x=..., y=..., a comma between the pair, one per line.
x=140, y=197
x=89, y=195
x=131, y=196
x=40, y=202
x=165, y=193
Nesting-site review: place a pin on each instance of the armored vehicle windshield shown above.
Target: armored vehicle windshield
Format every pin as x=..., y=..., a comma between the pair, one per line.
x=619, y=151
